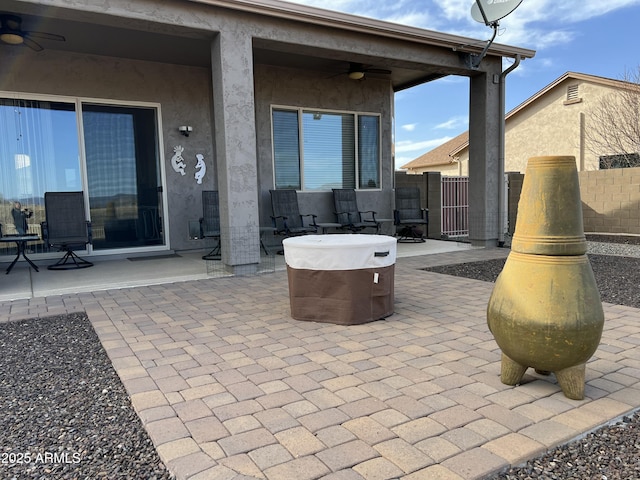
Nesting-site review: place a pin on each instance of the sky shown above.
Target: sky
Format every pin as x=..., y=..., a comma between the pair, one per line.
x=594, y=37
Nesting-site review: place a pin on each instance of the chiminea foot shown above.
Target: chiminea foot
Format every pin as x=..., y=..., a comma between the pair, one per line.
x=571, y=380
x=511, y=371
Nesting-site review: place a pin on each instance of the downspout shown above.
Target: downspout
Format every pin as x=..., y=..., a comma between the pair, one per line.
x=501, y=190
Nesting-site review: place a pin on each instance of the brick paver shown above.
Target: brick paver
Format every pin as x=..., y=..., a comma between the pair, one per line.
x=228, y=385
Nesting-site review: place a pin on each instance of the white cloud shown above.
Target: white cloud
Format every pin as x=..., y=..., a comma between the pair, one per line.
x=454, y=122
x=425, y=145
x=449, y=12
x=409, y=127
x=414, y=19
x=454, y=9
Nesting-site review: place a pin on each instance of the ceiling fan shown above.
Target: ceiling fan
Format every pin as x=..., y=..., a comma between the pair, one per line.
x=358, y=71
x=11, y=33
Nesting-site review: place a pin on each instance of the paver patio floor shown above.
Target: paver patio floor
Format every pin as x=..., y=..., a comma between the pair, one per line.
x=229, y=386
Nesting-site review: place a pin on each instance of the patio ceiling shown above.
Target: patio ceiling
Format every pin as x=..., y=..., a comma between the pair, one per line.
x=332, y=63
x=114, y=36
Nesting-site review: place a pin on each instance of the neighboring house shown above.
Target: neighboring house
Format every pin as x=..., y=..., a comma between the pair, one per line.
x=444, y=159
x=551, y=122
x=146, y=104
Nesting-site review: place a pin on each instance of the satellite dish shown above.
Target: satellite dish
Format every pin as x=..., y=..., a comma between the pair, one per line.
x=490, y=11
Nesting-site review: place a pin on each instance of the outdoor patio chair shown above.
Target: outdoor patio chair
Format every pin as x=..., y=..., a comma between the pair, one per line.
x=287, y=220
x=66, y=227
x=210, y=222
x=347, y=212
x=408, y=217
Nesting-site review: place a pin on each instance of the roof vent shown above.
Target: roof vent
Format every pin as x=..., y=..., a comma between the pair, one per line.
x=572, y=95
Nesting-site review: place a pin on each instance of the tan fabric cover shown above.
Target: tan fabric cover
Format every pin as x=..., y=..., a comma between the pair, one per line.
x=346, y=297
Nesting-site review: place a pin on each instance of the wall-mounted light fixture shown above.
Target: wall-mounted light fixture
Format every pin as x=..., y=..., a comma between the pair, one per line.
x=185, y=130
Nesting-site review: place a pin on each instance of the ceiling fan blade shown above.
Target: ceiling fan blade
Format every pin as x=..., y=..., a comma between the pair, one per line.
x=359, y=67
x=336, y=75
x=33, y=45
x=46, y=36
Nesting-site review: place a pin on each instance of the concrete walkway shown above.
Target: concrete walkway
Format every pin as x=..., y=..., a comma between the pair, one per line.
x=229, y=386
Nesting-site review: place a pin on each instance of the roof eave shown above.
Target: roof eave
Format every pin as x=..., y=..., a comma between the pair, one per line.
x=566, y=76
x=329, y=18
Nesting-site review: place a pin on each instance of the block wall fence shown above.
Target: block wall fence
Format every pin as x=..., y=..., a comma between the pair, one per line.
x=610, y=199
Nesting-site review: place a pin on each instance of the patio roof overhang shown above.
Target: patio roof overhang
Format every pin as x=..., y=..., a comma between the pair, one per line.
x=404, y=74
x=158, y=39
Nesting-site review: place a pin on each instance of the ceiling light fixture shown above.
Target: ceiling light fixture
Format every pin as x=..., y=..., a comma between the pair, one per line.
x=11, y=38
x=356, y=75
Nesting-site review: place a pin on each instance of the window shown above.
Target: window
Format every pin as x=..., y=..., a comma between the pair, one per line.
x=320, y=150
x=286, y=149
x=622, y=160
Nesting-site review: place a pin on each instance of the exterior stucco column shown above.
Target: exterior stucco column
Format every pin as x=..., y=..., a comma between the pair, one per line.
x=236, y=158
x=484, y=154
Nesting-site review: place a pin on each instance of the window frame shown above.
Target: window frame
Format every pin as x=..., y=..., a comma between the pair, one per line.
x=300, y=111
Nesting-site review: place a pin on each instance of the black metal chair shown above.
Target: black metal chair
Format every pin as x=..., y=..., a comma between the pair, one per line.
x=287, y=220
x=66, y=227
x=409, y=216
x=210, y=222
x=349, y=216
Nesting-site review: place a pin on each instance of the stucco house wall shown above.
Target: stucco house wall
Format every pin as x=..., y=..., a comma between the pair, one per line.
x=554, y=126
x=462, y=165
x=184, y=98
x=459, y=168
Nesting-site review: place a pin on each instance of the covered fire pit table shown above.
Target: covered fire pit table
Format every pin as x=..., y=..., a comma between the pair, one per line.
x=345, y=278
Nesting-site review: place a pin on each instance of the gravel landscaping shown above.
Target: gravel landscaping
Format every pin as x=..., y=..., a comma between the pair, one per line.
x=615, y=261
x=65, y=413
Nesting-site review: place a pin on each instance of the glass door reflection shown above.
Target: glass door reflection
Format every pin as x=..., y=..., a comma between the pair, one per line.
x=123, y=175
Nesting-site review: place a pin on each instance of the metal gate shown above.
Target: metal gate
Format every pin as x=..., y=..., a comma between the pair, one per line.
x=455, y=206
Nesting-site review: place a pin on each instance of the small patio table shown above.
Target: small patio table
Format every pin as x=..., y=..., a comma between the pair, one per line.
x=21, y=243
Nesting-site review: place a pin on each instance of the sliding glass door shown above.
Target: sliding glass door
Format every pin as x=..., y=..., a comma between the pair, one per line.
x=123, y=175
x=41, y=151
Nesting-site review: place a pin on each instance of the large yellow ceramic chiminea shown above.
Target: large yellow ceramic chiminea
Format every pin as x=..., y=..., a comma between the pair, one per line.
x=545, y=310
